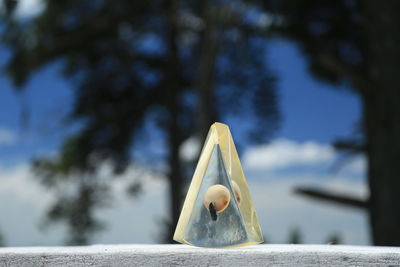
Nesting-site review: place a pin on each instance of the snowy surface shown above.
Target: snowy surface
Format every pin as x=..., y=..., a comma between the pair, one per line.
x=182, y=255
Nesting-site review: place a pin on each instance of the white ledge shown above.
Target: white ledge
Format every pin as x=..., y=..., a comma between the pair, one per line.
x=182, y=255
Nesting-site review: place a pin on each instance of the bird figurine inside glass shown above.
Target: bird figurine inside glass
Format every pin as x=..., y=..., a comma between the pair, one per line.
x=218, y=211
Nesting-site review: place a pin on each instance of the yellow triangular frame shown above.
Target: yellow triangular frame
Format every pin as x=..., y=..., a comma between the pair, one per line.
x=220, y=135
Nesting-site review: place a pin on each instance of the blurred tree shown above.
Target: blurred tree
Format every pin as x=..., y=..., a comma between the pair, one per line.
x=2, y=240
x=295, y=236
x=8, y=7
x=334, y=239
x=178, y=64
x=356, y=43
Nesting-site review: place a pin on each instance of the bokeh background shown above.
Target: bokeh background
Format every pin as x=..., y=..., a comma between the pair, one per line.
x=105, y=104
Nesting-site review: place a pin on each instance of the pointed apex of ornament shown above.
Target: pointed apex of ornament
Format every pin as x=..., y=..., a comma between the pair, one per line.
x=218, y=210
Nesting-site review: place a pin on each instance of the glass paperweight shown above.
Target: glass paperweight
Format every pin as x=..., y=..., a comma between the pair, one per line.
x=218, y=210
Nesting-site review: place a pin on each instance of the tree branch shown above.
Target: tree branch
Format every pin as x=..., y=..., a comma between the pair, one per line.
x=336, y=66
x=341, y=199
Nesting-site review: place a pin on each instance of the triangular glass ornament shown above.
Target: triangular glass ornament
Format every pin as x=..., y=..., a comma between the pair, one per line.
x=218, y=211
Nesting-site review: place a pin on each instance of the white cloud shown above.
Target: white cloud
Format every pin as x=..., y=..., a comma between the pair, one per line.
x=190, y=149
x=26, y=8
x=264, y=20
x=18, y=182
x=280, y=210
x=7, y=136
x=22, y=205
x=356, y=164
x=29, y=8
x=283, y=153
x=139, y=220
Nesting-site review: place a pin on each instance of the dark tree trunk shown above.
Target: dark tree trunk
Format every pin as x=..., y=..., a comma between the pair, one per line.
x=382, y=119
x=175, y=138
x=205, y=80
x=175, y=178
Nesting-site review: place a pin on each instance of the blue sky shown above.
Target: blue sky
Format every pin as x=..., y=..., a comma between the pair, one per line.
x=311, y=109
